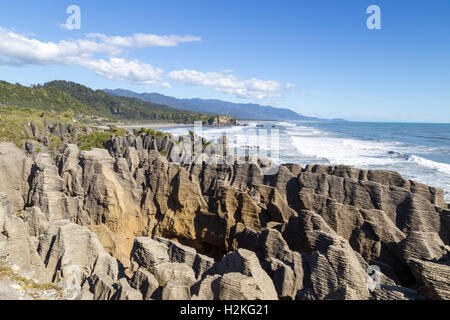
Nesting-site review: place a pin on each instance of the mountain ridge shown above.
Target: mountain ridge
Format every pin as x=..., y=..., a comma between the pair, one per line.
x=239, y=110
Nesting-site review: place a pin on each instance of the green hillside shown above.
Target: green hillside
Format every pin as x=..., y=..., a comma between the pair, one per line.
x=122, y=107
x=62, y=96
x=39, y=98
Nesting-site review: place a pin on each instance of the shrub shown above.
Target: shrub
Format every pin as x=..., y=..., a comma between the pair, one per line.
x=96, y=139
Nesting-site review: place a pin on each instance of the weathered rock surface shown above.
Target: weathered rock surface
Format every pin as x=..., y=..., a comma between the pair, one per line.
x=125, y=292
x=238, y=276
x=144, y=219
x=145, y=282
x=15, y=168
x=59, y=251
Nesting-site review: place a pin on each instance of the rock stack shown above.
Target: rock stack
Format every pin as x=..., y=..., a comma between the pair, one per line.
x=143, y=220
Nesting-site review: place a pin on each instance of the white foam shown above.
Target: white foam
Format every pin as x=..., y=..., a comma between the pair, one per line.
x=326, y=148
x=342, y=151
x=439, y=166
x=286, y=124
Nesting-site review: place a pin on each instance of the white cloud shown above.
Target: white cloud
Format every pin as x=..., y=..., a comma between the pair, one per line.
x=101, y=54
x=229, y=84
x=23, y=50
x=143, y=40
x=19, y=50
x=121, y=69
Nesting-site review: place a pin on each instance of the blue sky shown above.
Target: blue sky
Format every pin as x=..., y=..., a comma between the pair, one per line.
x=315, y=57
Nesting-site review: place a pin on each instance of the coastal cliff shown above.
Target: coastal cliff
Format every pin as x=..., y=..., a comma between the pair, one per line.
x=141, y=219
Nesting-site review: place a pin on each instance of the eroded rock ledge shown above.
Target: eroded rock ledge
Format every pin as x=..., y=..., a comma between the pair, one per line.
x=142, y=220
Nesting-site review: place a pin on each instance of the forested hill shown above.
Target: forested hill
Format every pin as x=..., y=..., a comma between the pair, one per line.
x=123, y=107
x=62, y=96
x=40, y=98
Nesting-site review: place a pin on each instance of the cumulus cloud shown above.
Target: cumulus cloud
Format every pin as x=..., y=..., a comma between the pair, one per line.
x=20, y=50
x=101, y=54
x=229, y=84
x=121, y=69
x=143, y=40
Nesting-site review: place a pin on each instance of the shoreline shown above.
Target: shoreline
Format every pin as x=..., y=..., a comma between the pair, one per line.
x=153, y=125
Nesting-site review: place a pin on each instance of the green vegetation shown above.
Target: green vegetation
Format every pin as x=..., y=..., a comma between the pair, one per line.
x=72, y=100
x=40, y=98
x=152, y=132
x=94, y=140
x=15, y=123
x=15, y=127
x=98, y=139
x=122, y=108
x=54, y=144
x=206, y=144
x=24, y=108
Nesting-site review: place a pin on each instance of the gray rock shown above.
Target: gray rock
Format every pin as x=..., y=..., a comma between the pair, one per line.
x=102, y=287
x=148, y=253
x=15, y=168
x=16, y=244
x=145, y=282
x=36, y=220
x=125, y=292
x=313, y=230
x=396, y=293
x=239, y=270
x=433, y=277
x=172, y=271
x=66, y=245
x=186, y=255
x=173, y=290
x=232, y=286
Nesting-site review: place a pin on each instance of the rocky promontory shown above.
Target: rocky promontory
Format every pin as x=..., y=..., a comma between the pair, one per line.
x=141, y=219
x=222, y=121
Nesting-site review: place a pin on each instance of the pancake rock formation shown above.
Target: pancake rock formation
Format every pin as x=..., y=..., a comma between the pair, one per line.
x=141, y=219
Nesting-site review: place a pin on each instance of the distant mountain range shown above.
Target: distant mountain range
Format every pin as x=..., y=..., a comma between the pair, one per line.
x=237, y=110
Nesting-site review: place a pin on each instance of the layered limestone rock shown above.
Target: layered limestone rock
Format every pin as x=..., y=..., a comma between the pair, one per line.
x=58, y=251
x=146, y=204
x=166, y=269
x=238, y=276
x=15, y=169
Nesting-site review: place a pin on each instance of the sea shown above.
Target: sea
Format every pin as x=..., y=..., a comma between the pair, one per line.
x=420, y=152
